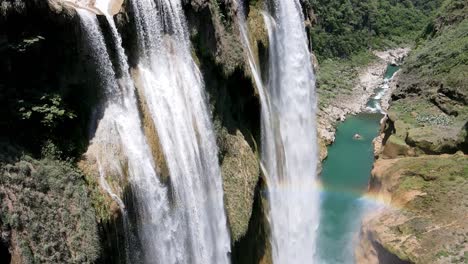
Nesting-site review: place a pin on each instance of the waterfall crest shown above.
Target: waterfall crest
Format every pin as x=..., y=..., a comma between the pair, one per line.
x=289, y=147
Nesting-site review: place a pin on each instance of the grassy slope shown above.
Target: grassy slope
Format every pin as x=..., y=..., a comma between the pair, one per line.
x=337, y=76
x=433, y=90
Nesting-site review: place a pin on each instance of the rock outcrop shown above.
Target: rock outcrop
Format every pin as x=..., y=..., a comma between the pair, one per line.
x=432, y=227
x=240, y=170
x=38, y=50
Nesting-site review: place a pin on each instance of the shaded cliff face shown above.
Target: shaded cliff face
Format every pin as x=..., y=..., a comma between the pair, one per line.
x=421, y=171
x=49, y=94
x=46, y=93
x=220, y=55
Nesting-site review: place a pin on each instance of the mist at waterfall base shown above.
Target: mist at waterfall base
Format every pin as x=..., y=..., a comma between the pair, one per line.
x=345, y=177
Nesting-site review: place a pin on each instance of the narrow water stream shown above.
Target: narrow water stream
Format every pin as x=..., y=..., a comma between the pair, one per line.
x=344, y=177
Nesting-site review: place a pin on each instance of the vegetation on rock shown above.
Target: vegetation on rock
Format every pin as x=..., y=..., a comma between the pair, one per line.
x=46, y=215
x=432, y=94
x=432, y=228
x=346, y=27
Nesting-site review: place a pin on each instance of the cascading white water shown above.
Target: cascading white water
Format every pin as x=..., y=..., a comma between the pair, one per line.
x=268, y=142
x=174, y=94
x=120, y=145
x=291, y=160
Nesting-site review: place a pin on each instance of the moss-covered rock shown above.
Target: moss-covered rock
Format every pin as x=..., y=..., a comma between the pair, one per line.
x=240, y=171
x=395, y=147
x=426, y=127
x=436, y=140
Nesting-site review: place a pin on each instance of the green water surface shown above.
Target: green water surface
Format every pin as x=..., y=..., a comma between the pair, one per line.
x=345, y=176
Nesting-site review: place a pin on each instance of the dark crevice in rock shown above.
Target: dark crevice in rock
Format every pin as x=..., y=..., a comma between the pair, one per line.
x=464, y=145
x=453, y=94
x=233, y=95
x=112, y=240
x=5, y=255
x=388, y=130
x=119, y=235
x=444, y=104
x=387, y=257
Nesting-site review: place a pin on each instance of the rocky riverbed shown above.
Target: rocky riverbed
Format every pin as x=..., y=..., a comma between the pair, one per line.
x=355, y=101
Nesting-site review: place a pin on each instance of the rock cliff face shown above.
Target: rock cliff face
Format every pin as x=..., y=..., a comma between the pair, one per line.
x=43, y=54
x=236, y=109
x=422, y=168
x=427, y=219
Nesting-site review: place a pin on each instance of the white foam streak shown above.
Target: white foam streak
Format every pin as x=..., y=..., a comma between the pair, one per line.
x=122, y=144
x=174, y=92
x=291, y=161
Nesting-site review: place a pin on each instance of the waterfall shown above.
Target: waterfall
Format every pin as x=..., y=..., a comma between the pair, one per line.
x=289, y=140
x=268, y=143
x=119, y=142
x=190, y=227
x=173, y=89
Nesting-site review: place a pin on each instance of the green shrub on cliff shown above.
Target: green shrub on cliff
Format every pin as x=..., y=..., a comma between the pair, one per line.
x=50, y=110
x=46, y=212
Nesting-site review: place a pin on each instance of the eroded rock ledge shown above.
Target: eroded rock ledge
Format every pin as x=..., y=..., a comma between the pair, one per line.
x=426, y=220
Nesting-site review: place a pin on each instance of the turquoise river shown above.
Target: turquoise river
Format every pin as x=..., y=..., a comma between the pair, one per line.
x=344, y=178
